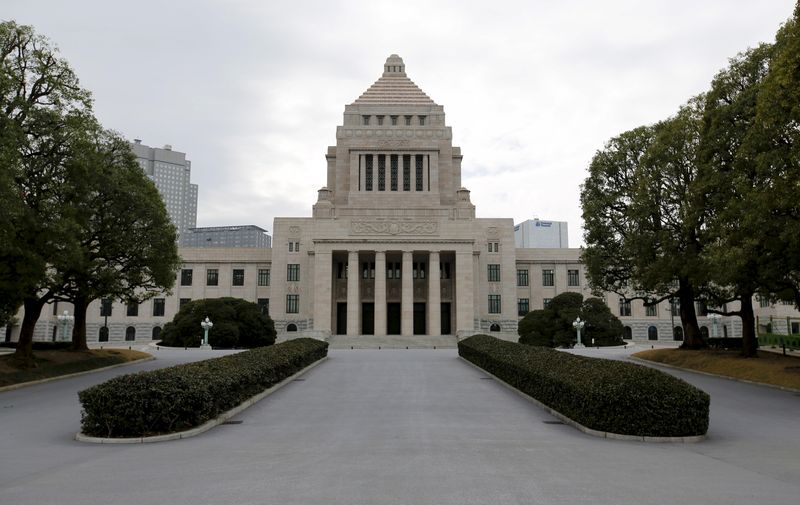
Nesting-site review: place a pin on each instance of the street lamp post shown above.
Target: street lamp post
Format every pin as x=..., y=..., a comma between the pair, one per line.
x=206, y=325
x=65, y=319
x=578, y=325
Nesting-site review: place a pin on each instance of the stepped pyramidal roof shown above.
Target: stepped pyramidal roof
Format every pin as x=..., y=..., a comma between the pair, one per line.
x=394, y=87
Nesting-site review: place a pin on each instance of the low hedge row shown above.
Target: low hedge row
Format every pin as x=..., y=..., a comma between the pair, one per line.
x=185, y=396
x=604, y=395
x=778, y=340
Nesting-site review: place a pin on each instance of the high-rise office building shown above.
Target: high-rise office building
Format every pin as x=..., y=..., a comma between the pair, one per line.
x=171, y=172
x=537, y=234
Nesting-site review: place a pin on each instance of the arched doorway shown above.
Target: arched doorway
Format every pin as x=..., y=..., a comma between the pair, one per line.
x=494, y=327
x=627, y=333
x=291, y=327
x=130, y=334
x=677, y=333
x=652, y=333
x=156, y=332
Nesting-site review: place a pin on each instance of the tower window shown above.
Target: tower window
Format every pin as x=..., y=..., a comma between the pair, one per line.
x=381, y=172
x=365, y=120
x=393, y=161
x=406, y=172
x=408, y=120
x=368, y=176
x=394, y=120
x=419, y=164
x=380, y=120
x=421, y=120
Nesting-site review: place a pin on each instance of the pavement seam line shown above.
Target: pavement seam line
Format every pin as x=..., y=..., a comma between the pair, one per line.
x=193, y=432
x=585, y=429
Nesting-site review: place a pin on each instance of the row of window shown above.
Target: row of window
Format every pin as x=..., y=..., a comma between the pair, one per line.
x=393, y=270
x=237, y=277
x=548, y=276
x=367, y=163
x=393, y=119
x=132, y=309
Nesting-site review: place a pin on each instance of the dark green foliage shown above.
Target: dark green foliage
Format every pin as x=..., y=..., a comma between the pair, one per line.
x=237, y=323
x=604, y=395
x=778, y=340
x=185, y=396
x=552, y=327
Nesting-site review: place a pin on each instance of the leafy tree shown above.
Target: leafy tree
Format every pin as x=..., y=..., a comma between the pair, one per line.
x=552, y=327
x=740, y=200
x=42, y=110
x=642, y=219
x=237, y=323
x=127, y=244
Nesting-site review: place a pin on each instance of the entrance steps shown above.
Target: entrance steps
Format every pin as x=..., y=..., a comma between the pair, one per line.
x=393, y=342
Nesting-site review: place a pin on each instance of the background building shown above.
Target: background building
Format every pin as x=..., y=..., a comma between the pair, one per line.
x=226, y=236
x=171, y=172
x=534, y=233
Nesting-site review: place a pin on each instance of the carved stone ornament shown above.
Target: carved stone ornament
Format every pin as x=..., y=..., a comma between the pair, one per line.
x=492, y=232
x=393, y=228
x=292, y=288
x=294, y=230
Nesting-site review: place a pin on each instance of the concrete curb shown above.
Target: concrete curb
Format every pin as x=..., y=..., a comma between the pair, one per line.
x=76, y=374
x=584, y=429
x=80, y=437
x=734, y=379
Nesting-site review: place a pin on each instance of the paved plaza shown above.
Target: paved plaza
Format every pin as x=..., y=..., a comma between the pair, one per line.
x=399, y=427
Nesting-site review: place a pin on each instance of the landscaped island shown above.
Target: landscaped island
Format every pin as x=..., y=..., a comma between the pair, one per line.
x=603, y=395
x=185, y=396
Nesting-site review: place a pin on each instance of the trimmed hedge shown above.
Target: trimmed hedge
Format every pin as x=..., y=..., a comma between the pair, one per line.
x=604, y=395
x=185, y=396
x=777, y=340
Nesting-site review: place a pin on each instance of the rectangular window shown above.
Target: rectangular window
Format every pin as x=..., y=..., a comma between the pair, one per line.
x=381, y=172
x=397, y=270
x=408, y=120
x=572, y=278
x=494, y=304
x=292, y=304
x=291, y=246
x=106, y=306
x=394, y=120
x=393, y=161
x=763, y=302
x=702, y=310
x=523, y=306
x=182, y=302
x=368, y=172
x=795, y=328
x=133, y=309
x=158, y=307
x=546, y=302
x=522, y=277
x=651, y=310
x=365, y=120
x=419, y=164
x=624, y=307
x=297, y=247
x=444, y=270
x=421, y=120
x=414, y=270
x=406, y=172
x=263, y=305
x=675, y=306
x=212, y=277
x=341, y=270
x=548, y=279
x=380, y=120
x=494, y=273
x=292, y=272
x=186, y=277
x=263, y=276
x=238, y=277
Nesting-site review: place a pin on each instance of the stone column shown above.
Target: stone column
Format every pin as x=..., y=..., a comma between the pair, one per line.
x=434, y=295
x=464, y=292
x=323, y=286
x=353, y=296
x=380, y=293
x=407, y=296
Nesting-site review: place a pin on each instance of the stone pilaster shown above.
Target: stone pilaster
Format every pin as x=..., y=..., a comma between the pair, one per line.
x=380, y=293
x=407, y=296
x=353, y=296
x=434, y=295
x=464, y=279
x=323, y=263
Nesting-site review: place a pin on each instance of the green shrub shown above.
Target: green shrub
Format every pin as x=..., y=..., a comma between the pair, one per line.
x=778, y=340
x=237, y=323
x=184, y=396
x=603, y=395
x=552, y=327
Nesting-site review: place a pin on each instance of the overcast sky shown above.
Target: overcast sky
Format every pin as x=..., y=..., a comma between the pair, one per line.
x=252, y=90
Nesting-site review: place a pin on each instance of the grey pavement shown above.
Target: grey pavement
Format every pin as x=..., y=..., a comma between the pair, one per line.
x=400, y=427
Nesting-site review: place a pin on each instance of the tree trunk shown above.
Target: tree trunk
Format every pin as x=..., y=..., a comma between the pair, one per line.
x=33, y=308
x=749, y=343
x=79, y=329
x=692, y=338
